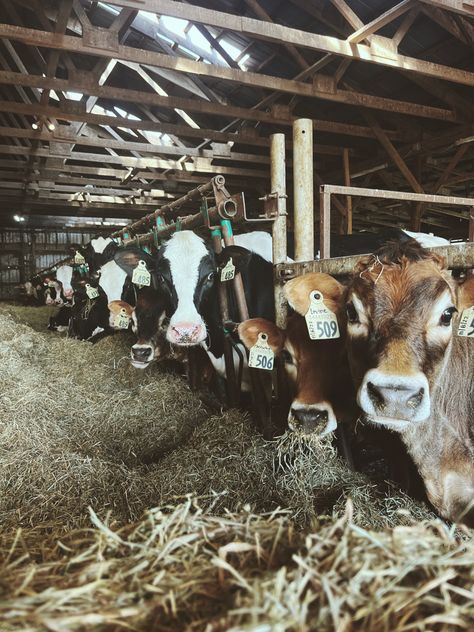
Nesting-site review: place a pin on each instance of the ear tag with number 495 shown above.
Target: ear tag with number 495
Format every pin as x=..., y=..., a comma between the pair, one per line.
x=320, y=321
x=141, y=276
x=91, y=292
x=228, y=271
x=261, y=356
x=79, y=259
x=121, y=320
x=466, y=323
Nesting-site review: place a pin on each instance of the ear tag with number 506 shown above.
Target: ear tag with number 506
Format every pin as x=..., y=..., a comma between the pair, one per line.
x=79, y=259
x=261, y=356
x=91, y=292
x=228, y=271
x=141, y=276
x=466, y=323
x=121, y=320
x=320, y=321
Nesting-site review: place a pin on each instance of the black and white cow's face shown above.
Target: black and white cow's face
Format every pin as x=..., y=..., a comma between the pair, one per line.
x=186, y=269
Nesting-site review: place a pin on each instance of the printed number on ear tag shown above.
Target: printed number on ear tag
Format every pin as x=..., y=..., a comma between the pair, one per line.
x=121, y=320
x=228, y=271
x=261, y=356
x=320, y=321
x=141, y=276
x=79, y=259
x=466, y=323
x=92, y=292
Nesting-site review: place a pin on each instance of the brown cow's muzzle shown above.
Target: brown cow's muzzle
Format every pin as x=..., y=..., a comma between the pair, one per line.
x=312, y=418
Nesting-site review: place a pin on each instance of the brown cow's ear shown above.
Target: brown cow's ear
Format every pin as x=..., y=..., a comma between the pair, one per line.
x=249, y=330
x=297, y=291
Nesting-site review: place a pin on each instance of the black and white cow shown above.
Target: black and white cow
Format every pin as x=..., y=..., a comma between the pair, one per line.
x=183, y=304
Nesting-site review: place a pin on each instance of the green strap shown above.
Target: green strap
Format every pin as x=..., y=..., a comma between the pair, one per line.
x=226, y=223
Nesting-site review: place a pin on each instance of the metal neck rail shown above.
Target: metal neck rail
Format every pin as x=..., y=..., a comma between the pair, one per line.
x=218, y=181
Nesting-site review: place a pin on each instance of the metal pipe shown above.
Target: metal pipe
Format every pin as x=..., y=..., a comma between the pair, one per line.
x=279, y=234
x=228, y=238
x=303, y=189
x=172, y=206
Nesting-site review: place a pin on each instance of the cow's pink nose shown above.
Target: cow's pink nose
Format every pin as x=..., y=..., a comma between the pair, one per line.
x=186, y=333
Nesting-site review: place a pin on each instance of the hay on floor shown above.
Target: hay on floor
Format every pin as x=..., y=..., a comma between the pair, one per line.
x=270, y=541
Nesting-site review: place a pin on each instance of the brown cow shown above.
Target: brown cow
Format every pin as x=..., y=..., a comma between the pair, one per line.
x=412, y=374
x=317, y=370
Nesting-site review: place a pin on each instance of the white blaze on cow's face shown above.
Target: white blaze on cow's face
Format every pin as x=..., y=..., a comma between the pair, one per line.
x=185, y=253
x=112, y=279
x=100, y=244
x=64, y=276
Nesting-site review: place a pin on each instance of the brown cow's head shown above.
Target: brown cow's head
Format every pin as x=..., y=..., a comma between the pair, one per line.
x=399, y=309
x=317, y=371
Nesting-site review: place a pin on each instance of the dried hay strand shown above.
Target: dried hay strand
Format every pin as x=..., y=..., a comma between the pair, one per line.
x=37, y=317
x=182, y=568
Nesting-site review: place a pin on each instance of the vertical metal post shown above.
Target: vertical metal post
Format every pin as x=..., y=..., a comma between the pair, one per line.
x=324, y=223
x=278, y=186
x=228, y=237
x=347, y=183
x=303, y=189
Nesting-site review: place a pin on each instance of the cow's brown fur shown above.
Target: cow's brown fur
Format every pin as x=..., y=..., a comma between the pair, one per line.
x=319, y=371
x=398, y=292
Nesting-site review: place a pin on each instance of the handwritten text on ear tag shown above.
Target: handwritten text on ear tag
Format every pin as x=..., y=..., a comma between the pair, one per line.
x=466, y=323
x=141, y=276
x=121, y=320
x=91, y=292
x=320, y=321
x=261, y=356
x=228, y=271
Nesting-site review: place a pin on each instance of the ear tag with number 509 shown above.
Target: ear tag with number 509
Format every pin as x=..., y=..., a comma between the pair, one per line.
x=228, y=271
x=466, y=323
x=121, y=320
x=320, y=321
x=261, y=356
x=141, y=276
x=79, y=259
x=91, y=292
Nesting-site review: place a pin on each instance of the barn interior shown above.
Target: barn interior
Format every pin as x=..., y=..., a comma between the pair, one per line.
x=129, y=500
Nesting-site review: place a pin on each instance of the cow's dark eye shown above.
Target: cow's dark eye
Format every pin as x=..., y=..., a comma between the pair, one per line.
x=351, y=311
x=447, y=316
x=211, y=276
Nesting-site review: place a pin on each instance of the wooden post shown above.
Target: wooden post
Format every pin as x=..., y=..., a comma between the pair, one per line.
x=347, y=183
x=279, y=234
x=303, y=189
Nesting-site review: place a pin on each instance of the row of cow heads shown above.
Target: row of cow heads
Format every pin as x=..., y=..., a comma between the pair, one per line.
x=182, y=297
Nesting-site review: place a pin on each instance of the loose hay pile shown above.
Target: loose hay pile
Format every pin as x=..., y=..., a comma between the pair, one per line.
x=80, y=427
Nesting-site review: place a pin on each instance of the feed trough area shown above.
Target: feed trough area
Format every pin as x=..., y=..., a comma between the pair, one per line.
x=236, y=316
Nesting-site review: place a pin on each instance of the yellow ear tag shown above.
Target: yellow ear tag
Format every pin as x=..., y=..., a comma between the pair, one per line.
x=261, y=356
x=466, y=323
x=79, y=259
x=320, y=321
x=228, y=271
x=92, y=292
x=141, y=276
x=121, y=320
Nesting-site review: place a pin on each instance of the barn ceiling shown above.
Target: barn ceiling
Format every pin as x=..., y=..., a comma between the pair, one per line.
x=112, y=109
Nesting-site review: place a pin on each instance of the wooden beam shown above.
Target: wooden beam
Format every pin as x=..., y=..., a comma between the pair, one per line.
x=345, y=10
x=393, y=153
x=82, y=84
x=319, y=89
x=458, y=6
x=405, y=26
x=459, y=28
x=276, y=33
x=462, y=149
x=384, y=19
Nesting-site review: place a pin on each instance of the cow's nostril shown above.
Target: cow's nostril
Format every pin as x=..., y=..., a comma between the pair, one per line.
x=415, y=400
x=375, y=395
x=309, y=419
x=141, y=354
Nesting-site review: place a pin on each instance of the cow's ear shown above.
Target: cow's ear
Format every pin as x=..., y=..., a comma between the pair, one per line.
x=249, y=330
x=297, y=291
x=128, y=258
x=465, y=294
x=109, y=251
x=240, y=257
x=73, y=248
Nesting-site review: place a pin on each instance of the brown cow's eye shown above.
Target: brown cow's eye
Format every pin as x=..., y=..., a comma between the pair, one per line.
x=352, y=315
x=447, y=316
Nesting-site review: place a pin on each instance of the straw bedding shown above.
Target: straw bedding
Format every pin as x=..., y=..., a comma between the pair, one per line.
x=245, y=534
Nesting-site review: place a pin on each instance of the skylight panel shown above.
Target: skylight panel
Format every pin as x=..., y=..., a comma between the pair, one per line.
x=175, y=25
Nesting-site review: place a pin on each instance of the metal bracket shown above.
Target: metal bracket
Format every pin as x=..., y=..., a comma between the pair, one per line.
x=228, y=206
x=271, y=208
